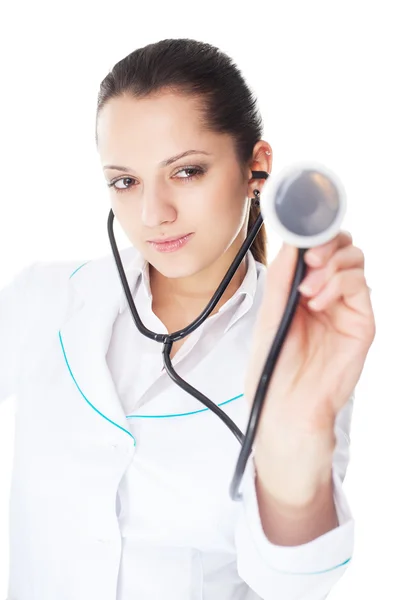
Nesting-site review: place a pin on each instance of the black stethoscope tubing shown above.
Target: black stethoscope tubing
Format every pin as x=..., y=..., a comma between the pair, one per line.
x=167, y=340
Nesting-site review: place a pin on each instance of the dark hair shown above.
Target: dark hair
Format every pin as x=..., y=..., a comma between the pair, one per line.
x=200, y=70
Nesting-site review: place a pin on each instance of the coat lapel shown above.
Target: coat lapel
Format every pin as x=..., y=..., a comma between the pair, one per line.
x=85, y=334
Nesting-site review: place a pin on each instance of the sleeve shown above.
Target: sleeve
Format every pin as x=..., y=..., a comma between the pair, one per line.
x=308, y=571
x=14, y=309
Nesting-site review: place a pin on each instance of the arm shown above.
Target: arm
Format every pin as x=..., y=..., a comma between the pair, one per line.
x=13, y=317
x=288, y=553
x=292, y=525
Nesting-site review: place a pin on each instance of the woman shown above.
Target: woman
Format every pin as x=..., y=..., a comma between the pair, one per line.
x=121, y=479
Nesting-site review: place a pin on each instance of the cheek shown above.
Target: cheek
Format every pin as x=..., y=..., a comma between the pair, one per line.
x=220, y=222
x=120, y=212
x=229, y=214
x=216, y=208
x=128, y=221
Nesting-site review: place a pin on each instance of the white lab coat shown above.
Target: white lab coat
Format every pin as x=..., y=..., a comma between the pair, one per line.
x=114, y=508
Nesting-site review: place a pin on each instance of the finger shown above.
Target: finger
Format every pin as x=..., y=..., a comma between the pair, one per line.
x=348, y=257
x=323, y=253
x=350, y=285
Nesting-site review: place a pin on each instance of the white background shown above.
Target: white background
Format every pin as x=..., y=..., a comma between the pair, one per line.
x=326, y=77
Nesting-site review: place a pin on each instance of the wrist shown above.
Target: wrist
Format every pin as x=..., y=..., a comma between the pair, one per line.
x=288, y=524
x=292, y=471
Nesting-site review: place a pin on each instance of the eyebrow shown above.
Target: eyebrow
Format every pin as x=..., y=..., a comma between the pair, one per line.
x=164, y=163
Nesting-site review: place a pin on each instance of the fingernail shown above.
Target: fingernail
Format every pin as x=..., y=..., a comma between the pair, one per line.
x=314, y=303
x=305, y=289
x=314, y=260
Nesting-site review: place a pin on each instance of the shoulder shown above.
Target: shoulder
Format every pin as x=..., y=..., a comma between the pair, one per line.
x=51, y=284
x=48, y=280
x=33, y=281
x=51, y=273
x=55, y=276
x=42, y=294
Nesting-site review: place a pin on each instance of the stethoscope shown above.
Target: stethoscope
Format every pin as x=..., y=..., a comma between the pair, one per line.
x=305, y=204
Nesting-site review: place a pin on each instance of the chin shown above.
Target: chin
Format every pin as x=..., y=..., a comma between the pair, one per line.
x=174, y=267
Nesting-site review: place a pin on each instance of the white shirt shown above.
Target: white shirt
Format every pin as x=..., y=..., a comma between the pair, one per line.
x=121, y=479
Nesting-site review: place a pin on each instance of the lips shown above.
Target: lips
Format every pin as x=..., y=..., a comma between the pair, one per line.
x=165, y=240
x=173, y=246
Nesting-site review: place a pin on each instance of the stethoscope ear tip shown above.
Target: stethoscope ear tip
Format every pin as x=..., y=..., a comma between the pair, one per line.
x=260, y=174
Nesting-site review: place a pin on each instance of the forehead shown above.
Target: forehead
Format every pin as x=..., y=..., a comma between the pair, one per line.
x=163, y=125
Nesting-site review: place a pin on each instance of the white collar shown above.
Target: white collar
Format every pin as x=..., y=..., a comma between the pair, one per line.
x=138, y=266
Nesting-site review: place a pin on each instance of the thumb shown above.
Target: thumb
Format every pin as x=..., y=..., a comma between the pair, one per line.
x=278, y=282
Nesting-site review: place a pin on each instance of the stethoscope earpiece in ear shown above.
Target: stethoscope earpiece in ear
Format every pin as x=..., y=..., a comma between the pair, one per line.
x=258, y=175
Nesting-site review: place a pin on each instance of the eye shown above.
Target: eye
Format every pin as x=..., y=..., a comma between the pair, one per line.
x=117, y=189
x=198, y=172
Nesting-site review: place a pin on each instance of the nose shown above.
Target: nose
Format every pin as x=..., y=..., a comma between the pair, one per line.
x=157, y=208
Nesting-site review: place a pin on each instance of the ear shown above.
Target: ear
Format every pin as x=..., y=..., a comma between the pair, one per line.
x=261, y=161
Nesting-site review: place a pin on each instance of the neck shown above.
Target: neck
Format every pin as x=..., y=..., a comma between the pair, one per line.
x=193, y=293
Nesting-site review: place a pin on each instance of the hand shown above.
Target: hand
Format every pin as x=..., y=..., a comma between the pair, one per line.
x=326, y=346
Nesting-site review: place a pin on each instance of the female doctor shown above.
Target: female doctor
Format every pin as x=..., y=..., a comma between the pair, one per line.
x=120, y=485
